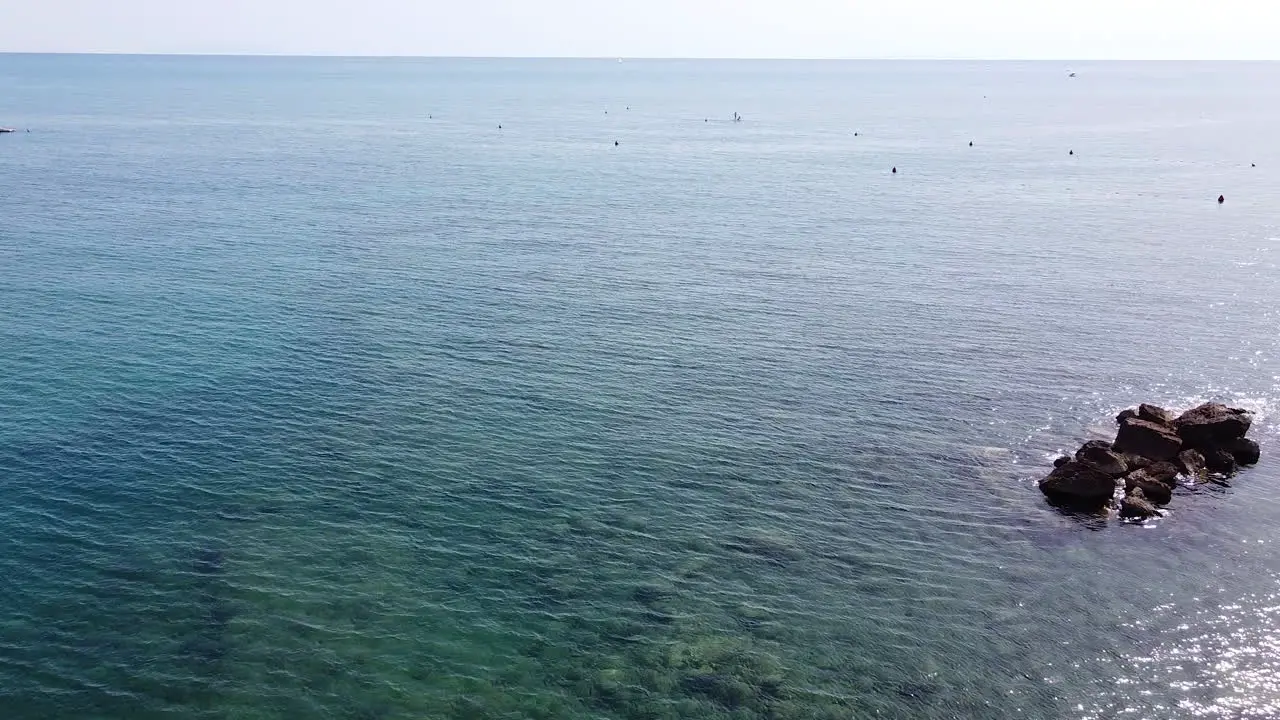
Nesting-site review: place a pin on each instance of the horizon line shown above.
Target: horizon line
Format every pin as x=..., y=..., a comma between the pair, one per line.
x=611, y=58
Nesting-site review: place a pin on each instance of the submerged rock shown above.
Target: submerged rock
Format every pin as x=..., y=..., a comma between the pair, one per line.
x=208, y=561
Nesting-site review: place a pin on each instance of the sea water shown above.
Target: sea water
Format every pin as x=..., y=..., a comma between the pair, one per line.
x=324, y=396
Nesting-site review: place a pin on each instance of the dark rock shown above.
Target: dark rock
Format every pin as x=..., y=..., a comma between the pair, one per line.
x=1135, y=505
x=1061, y=460
x=1079, y=485
x=1125, y=415
x=1148, y=439
x=1135, y=462
x=1155, y=414
x=1156, y=492
x=1190, y=463
x=1245, y=451
x=1164, y=472
x=1219, y=461
x=1098, y=455
x=1212, y=425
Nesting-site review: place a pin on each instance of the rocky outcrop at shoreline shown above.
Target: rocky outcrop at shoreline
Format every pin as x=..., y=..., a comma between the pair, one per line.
x=1152, y=450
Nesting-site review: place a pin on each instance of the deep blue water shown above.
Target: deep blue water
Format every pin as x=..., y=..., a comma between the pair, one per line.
x=321, y=396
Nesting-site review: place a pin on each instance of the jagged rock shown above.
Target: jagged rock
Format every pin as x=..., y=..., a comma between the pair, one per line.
x=1135, y=462
x=1098, y=455
x=1155, y=414
x=1135, y=505
x=1190, y=463
x=1163, y=472
x=1245, y=451
x=1079, y=485
x=1148, y=439
x=1219, y=461
x=1152, y=449
x=1157, y=492
x=1212, y=425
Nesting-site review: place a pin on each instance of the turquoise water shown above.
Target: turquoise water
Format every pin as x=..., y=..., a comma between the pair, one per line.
x=323, y=397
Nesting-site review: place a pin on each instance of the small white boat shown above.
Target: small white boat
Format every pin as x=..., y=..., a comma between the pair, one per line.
x=7, y=130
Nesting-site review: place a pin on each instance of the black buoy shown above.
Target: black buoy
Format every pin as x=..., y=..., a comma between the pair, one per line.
x=895, y=170
x=1221, y=199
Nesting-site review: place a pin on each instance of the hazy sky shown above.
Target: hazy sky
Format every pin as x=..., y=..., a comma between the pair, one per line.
x=1164, y=29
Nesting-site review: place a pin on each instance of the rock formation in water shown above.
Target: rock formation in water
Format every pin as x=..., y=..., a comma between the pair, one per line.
x=1152, y=450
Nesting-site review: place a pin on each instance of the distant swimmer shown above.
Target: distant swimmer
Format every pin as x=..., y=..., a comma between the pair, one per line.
x=1221, y=199
x=895, y=170
x=855, y=133
x=1071, y=152
x=970, y=143
x=499, y=127
x=1250, y=164
x=615, y=143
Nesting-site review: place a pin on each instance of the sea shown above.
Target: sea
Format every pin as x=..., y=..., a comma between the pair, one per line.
x=395, y=389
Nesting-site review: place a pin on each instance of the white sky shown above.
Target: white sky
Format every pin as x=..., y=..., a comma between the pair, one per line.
x=1063, y=29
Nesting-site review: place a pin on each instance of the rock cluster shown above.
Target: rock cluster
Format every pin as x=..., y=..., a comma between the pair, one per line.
x=1152, y=449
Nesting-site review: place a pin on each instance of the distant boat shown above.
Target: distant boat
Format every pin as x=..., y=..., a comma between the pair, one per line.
x=1071, y=73
x=7, y=130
